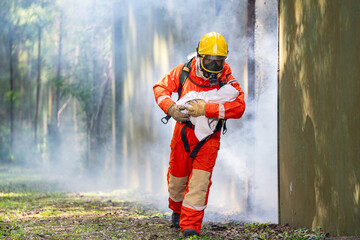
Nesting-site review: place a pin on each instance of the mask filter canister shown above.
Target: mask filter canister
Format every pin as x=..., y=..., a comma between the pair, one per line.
x=213, y=80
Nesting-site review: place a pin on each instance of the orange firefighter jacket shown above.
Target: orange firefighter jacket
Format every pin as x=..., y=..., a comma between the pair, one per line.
x=171, y=82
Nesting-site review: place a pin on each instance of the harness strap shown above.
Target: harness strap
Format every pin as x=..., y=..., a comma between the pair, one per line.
x=184, y=75
x=224, y=126
x=165, y=119
x=198, y=146
x=183, y=135
x=184, y=139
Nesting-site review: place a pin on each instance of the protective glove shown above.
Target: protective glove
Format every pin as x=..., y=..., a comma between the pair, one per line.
x=175, y=112
x=196, y=108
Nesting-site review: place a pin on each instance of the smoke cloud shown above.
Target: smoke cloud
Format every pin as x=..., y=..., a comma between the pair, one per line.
x=157, y=36
x=245, y=176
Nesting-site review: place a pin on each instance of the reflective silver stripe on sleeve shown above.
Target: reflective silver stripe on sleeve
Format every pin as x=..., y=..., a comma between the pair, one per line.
x=221, y=111
x=232, y=81
x=162, y=98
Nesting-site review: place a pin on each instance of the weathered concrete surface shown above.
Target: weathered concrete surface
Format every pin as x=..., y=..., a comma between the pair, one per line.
x=319, y=123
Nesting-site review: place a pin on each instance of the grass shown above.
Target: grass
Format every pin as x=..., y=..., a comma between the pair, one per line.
x=59, y=216
x=31, y=208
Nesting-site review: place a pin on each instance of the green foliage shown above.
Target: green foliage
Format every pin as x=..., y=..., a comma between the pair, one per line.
x=5, y=153
x=20, y=21
x=257, y=225
x=14, y=96
x=304, y=234
x=264, y=230
x=84, y=63
x=13, y=229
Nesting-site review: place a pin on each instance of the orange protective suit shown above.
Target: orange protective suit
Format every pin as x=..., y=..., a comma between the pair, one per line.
x=189, y=179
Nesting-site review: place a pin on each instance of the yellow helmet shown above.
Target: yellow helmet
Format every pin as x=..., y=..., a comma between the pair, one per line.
x=214, y=44
x=212, y=51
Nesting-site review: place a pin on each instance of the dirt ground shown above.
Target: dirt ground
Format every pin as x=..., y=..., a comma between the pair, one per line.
x=32, y=207
x=74, y=216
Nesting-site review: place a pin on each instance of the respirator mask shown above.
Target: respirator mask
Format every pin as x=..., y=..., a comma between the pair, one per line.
x=212, y=66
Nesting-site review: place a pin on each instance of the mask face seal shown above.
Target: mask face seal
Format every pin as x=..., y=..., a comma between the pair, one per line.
x=212, y=66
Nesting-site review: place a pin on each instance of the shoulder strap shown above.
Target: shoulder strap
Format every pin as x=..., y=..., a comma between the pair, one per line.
x=184, y=75
x=222, y=123
x=223, y=82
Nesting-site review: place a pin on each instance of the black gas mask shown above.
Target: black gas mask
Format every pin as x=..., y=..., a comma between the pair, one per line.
x=212, y=66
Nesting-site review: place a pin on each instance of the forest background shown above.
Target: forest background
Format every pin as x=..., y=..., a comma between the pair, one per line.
x=76, y=99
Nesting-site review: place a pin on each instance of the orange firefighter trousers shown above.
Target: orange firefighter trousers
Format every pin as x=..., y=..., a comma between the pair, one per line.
x=189, y=179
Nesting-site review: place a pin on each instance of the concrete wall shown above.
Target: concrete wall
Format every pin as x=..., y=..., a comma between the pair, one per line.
x=319, y=119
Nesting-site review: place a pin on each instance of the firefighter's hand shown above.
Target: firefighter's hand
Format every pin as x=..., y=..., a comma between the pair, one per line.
x=175, y=112
x=196, y=108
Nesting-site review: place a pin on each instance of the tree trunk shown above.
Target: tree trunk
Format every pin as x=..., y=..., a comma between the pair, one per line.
x=75, y=111
x=118, y=89
x=50, y=103
x=29, y=89
x=11, y=92
x=113, y=129
x=22, y=98
x=54, y=124
x=97, y=163
x=58, y=71
x=250, y=56
x=250, y=59
x=102, y=101
x=38, y=84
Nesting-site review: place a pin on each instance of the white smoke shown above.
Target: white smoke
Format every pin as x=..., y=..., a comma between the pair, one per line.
x=160, y=34
x=245, y=176
x=250, y=151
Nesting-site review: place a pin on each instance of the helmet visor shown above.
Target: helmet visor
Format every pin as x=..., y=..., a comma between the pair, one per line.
x=212, y=64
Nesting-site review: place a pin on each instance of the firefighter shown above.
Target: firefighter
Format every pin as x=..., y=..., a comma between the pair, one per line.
x=192, y=162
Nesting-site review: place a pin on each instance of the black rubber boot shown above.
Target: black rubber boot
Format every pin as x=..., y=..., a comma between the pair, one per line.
x=175, y=220
x=190, y=232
